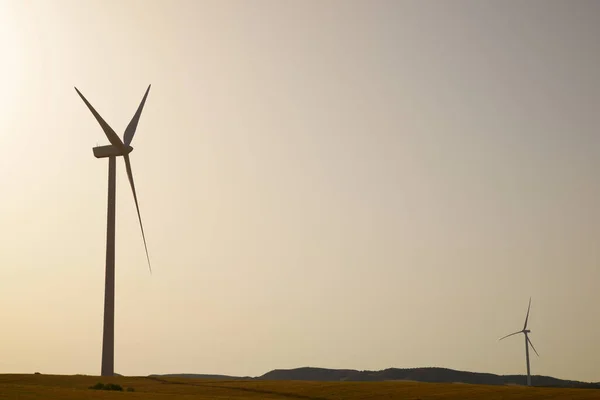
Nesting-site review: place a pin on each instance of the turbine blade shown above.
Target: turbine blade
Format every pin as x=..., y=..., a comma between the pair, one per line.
x=509, y=335
x=137, y=207
x=108, y=131
x=130, y=131
x=529, y=340
x=527, y=317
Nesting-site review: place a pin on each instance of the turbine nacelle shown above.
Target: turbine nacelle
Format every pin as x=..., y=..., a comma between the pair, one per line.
x=110, y=150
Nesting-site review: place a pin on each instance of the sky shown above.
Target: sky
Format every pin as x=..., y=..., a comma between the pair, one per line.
x=338, y=184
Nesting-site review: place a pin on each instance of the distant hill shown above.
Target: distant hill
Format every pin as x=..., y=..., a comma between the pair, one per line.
x=431, y=374
x=205, y=376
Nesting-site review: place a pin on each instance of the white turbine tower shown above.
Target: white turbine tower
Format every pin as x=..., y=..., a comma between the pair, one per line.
x=526, y=332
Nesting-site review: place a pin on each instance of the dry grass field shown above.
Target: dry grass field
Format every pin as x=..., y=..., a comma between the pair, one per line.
x=26, y=387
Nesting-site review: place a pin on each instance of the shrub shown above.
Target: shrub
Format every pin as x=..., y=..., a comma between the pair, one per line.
x=97, y=386
x=108, y=386
x=112, y=386
x=130, y=389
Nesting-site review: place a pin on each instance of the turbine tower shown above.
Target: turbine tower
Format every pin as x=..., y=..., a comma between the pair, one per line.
x=526, y=332
x=115, y=149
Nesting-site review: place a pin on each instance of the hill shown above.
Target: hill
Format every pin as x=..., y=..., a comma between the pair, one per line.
x=204, y=376
x=430, y=375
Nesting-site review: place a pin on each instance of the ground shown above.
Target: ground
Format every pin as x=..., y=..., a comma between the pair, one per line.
x=26, y=387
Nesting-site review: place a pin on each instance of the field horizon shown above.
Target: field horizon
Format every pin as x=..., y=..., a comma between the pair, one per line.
x=35, y=386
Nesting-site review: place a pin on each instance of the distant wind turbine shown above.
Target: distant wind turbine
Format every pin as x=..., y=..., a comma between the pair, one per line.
x=115, y=149
x=526, y=332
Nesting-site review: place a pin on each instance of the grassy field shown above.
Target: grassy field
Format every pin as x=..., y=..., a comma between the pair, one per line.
x=25, y=387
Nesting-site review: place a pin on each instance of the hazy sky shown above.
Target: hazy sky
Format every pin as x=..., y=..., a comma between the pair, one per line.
x=343, y=184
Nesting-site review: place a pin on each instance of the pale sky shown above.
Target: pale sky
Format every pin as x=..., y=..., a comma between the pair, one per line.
x=340, y=184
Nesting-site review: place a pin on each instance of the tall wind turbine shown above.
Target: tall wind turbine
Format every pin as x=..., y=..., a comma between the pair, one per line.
x=526, y=332
x=115, y=149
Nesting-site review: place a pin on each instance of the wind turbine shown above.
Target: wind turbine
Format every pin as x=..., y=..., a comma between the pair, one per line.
x=115, y=149
x=526, y=332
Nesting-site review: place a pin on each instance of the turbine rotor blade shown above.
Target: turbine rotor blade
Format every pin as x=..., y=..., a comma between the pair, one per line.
x=137, y=207
x=527, y=317
x=510, y=335
x=531, y=344
x=130, y=130
x=108, y=131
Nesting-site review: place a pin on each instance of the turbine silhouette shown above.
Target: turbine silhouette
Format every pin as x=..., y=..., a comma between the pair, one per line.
x=115, y=149
x=528, y=343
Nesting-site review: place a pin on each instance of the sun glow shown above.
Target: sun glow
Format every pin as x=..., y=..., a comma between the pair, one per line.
x=11, y=66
